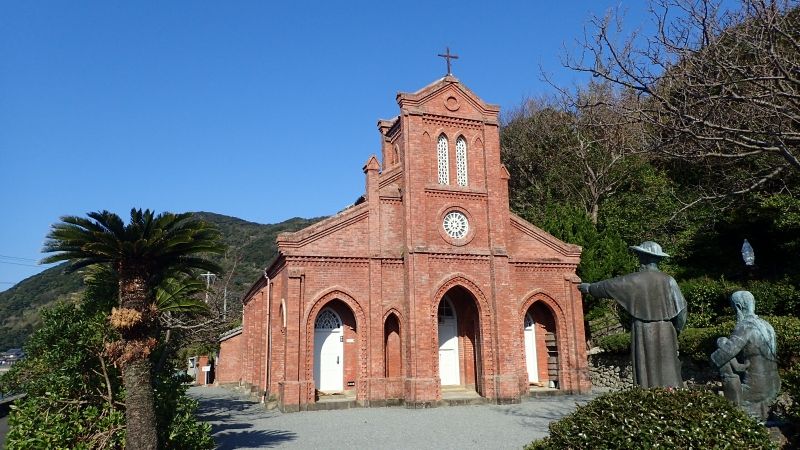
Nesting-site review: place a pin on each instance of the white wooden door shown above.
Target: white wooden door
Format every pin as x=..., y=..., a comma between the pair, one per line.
x=530, y=349
x=328, y=352
x=448, y=345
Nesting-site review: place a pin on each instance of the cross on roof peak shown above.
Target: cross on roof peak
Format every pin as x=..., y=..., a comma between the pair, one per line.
x=448, y=57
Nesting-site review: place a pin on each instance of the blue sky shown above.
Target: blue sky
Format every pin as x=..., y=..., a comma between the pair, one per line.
x=259, y=110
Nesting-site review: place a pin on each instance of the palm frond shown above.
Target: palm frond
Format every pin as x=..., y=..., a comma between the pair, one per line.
x=180, y=295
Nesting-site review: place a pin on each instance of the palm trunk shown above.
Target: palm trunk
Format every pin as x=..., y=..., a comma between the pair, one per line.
x=140, y=417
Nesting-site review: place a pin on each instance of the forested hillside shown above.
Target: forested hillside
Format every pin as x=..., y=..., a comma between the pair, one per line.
x=251, y=246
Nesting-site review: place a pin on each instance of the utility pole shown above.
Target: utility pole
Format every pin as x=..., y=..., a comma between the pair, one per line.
x=225, y=304
x=208, y=276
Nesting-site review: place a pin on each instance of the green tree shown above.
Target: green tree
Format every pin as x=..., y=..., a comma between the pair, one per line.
x=571, y=150
x=141, y=254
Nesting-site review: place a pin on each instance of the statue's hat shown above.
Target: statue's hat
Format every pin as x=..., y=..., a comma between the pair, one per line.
x=650, y=248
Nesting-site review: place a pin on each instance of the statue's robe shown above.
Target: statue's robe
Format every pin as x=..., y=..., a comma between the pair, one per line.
x=658, y=309
x=753, y=341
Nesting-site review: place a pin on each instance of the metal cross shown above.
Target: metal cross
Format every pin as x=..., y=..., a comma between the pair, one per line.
x=448, y=57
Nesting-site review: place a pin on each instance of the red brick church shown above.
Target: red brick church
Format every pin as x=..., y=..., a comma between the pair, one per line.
x=428, y=283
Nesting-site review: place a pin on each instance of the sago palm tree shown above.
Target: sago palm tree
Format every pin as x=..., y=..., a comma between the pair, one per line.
x=142, y=254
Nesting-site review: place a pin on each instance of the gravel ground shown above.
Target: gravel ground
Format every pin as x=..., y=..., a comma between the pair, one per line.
x=239, y=423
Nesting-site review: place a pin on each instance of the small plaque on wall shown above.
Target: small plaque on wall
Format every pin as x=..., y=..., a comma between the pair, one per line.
x=351, y=383
x=350, y=340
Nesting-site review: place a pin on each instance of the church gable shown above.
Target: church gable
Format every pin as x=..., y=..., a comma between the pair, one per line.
x=448, y=97
x=528, y=242
x=345, y=234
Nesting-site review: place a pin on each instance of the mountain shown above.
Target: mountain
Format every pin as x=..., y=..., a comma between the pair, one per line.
x=251, y=246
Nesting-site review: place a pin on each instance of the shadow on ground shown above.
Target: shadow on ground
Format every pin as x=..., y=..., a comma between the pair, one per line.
x=251, y=438
x=546, y=410
x=232, y=426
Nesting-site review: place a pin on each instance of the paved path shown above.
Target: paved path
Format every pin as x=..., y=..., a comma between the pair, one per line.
x=239, y=423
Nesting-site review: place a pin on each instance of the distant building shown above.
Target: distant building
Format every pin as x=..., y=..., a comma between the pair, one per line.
x=428, y=284
x=11, y=356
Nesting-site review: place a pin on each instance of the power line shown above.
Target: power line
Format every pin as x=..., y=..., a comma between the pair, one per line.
x=19, y=258
x=20, y=264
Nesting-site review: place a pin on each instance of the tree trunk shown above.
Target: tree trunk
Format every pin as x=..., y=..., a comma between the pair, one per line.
x=140, y=416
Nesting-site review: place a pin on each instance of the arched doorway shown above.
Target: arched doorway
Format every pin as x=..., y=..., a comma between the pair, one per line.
x=336, y=350
x=449, y=371
x=328, y=352
x=541, y=346
x=459, y=350
x=531, y=363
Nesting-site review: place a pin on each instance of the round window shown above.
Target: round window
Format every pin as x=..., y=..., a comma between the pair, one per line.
x=456, y=225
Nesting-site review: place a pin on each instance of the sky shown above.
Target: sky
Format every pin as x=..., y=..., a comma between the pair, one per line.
x=259, y=110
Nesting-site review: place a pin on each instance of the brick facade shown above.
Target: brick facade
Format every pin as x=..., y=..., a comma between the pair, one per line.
x=229, y=368
x=385, y=265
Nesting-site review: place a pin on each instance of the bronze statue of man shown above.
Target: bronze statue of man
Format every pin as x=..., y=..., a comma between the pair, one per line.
x=658, y=309
x=752, y=351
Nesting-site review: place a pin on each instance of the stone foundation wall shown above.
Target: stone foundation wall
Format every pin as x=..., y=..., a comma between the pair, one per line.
x=611, y=371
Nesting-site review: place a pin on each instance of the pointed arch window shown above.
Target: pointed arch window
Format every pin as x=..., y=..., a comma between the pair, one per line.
x=327, y=319
x=461, y=161
x=443, y=159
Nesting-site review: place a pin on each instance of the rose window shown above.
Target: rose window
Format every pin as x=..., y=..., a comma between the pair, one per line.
x=456, y=225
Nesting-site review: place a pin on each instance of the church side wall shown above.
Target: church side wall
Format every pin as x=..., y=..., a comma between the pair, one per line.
x=277, y=349
x=229, y=360
x=254, y=337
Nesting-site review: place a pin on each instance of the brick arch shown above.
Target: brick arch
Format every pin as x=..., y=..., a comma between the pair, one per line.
x=484, y=314
x=394, y=311
x=461, y=279
x=386, y=351
x=315, y=307
x=559, y=318
x=541, y=295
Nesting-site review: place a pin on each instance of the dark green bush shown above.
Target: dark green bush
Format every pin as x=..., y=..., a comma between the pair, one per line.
x=787, y=333
x=699, y=343
x=615, y=343
x=780, y=297
x=656, y=418
x=178, y=427
x=75, y=398
x=790, y=383
x=709, y=299
x=706, y=299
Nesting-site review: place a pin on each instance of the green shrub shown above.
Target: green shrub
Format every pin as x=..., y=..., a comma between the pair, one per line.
x=787, y=333
x=615, y=343
x=775, y=297
x=178, y=427
x=705, y=299
x=67, y=405
x=64, y=424
x=699, y=343
x=75, y=398
x=790, y=383
x=656, y=418
x=709, y=299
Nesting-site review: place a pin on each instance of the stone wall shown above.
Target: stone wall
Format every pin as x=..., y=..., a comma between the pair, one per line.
x=612, y=371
